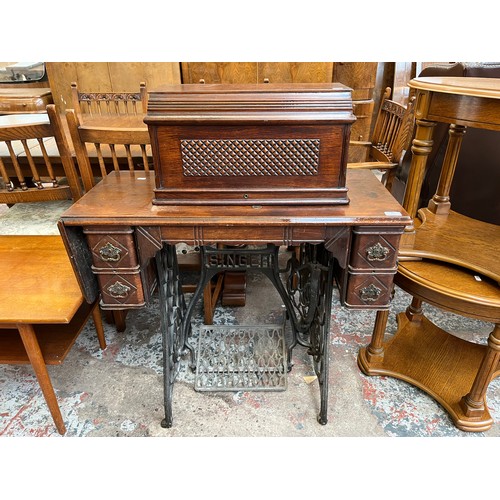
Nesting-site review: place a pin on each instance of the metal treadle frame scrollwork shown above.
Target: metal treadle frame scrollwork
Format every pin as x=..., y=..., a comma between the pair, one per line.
x=307, y=298
x=310, y=290
x=173, y=314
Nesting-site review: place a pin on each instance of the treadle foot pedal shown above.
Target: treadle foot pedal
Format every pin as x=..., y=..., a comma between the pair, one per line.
x=241, y=358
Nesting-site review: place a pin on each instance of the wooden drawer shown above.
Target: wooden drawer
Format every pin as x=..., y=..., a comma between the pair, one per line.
x=112, y=249
x=16, y=100
x=368, y=290
x=121, y=288
x=373, y=250
x=116, y=265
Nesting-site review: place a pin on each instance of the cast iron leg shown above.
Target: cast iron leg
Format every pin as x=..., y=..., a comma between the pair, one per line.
x=307, y=301
x=310, y=290
x=173, y=312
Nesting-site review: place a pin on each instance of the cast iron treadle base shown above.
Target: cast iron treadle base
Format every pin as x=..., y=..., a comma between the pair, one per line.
x=241, y=358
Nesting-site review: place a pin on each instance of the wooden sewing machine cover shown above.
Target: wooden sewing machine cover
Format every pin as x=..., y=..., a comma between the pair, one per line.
x=269, y=144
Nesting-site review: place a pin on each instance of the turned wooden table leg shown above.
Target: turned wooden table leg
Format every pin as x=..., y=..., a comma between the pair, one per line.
x=473, y=403
x=35, y=356
x=440, y=202
x=414, y=310
x=375, y=350
x=421, y=148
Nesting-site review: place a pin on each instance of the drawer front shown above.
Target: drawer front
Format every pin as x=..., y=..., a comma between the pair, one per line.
x=121, y=289
x=374, y=250
x=112, y=250
x=369, y=291
x=25, y=105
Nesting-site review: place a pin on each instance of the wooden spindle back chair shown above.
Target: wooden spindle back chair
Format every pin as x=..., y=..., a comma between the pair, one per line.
x=109, y=103
x=28, y=176
x=391, y=137
x=120, y=143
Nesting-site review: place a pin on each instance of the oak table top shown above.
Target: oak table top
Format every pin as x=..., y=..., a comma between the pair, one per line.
x=32, y=299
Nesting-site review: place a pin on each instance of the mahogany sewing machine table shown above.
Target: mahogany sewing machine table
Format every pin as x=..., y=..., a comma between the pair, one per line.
x=114, y=236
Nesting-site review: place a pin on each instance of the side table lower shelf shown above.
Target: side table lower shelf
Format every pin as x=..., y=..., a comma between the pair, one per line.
x=439, y=363
x=55, y=340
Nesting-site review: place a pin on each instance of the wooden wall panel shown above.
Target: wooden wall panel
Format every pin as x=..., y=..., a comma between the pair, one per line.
x=360, y=76
x=127, y=76
x=60, y=76
x=219, y=72
x=107, y=77
x=295, y=72
x=257, y=72
x=403, y=73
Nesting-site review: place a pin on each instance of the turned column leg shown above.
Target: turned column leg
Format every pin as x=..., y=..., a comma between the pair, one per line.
x=421, y=148
x=35, y=356
x=440, y=202
x=414, y=310
x=473, y=403
x=375, y=350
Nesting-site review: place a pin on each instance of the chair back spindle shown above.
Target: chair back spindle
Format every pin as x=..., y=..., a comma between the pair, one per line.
x=391, y=137
x=30, y=177
x=109, y=103
x=109, y=143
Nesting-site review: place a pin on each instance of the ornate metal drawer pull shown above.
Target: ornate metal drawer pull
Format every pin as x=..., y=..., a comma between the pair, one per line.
x=118, y=290
x=110, y=253
x=377, y=252
x=370, y=293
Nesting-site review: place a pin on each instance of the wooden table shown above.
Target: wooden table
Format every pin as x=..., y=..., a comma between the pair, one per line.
x=114, y=233
x=42, y=309
x=448, y=367
x=24, y=100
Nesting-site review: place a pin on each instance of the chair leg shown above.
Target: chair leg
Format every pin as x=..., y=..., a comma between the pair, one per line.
x=35, y=356
x=96, y=315
x=210, y=296
x=207, y=304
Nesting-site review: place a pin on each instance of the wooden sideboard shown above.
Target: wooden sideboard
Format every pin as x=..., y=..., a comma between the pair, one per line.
x=18, y=100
